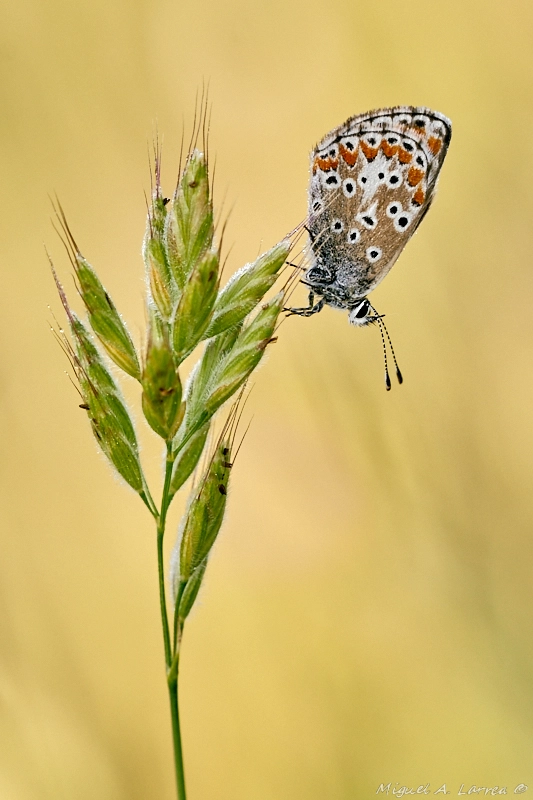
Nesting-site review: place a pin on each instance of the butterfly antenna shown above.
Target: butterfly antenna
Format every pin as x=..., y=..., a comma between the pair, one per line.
x=383, y=328
x=387, y=376
x=398, y=373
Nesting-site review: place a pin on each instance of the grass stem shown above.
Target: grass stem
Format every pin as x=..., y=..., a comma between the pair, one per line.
x=171, y=669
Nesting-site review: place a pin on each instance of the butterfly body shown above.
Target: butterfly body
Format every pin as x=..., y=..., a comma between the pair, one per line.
x=372, y=181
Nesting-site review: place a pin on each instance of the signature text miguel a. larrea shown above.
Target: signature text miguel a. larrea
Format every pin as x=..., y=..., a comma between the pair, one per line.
x=400, y=790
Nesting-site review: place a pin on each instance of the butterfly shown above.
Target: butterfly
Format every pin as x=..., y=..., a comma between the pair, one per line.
x=372, y=182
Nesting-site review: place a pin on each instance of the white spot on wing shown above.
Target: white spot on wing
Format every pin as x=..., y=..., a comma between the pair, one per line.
x=403, y=221
x=372, y=139
x=349, y=143
x=373, y=254
x=382, y=122
x=395, y=179
x=393, y=209
x=402, y=119
x=421, y=121
x=368, y=217
x=331, y=180
x=348, y=187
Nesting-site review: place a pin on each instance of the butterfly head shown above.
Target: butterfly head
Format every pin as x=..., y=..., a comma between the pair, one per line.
x=362, y=313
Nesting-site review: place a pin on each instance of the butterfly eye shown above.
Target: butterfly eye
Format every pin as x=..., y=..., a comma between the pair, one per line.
x=353, y=236
x=402, y=222
x=337, y=226
x=361, y=311
x=393, y=209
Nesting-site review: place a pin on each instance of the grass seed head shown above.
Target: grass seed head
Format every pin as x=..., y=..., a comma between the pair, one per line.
x=249, y=347
x=205, y=513
x=247, y=288
x=160, y=278
x=110, y=421
x=187, y=459
x=162, y=390
x=105, y=320
x=195, y=306
x=189, y=227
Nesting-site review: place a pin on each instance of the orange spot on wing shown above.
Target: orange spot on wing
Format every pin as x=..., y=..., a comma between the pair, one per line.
x=434, y=145
x=419, y=196
x=403, y=156
x=414, y=176
x=326, y=164
x=350, y=156
x=389, y=149
x=370, y=152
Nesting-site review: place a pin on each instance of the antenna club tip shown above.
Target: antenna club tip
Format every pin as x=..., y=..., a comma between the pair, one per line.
x=387, y=382
x=399, y=376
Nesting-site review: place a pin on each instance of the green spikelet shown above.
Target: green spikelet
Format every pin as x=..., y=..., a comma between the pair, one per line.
x=195, y=306
x=247, y=288
x=189, y=224
x=161, y=398
x=160, y=279
x=205, y=514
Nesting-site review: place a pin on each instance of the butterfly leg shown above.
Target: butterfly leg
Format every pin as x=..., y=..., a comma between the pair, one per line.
x=308, y=310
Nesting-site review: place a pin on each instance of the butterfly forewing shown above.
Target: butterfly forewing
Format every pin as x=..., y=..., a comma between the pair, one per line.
x=372, y=180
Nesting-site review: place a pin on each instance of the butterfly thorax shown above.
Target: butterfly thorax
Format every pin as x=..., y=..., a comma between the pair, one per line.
x=339, y=283
x=338, y=290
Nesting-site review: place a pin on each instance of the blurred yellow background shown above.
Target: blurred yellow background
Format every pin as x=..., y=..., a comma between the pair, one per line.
x=367, y=613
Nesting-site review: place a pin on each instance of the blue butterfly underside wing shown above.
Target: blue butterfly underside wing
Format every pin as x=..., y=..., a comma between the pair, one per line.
x=372, y=181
